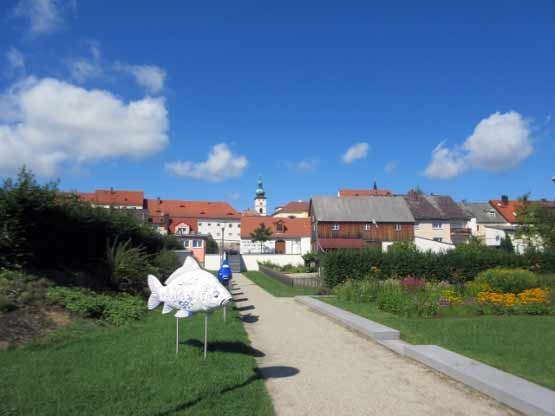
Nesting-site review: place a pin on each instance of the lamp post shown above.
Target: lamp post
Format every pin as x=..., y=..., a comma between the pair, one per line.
x=222, y=256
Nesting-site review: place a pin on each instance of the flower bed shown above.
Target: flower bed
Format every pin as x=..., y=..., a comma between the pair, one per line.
x=415, y=297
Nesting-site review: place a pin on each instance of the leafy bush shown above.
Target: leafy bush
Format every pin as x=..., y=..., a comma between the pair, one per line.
x=115, y=309
x=286, y=268
x=44, y=228
x=508, y=280
x=166, y=262
x=459, y=265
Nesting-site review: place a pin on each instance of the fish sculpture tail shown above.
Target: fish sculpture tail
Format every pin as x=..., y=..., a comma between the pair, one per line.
x=155, y=287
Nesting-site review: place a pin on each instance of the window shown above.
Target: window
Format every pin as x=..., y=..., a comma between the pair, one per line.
x=279, y=227
x=436, y=226
x=200, y=224
x=197, y=243
x=186, y=243
x=438, y=239
x=335, y=227
x=366, y=227
x=230, y=225
x=217, y=225
x=260, y=210
x=398, y=227
x=238, y=225
x=417, y=226
x=209, y=224
x=491, y=214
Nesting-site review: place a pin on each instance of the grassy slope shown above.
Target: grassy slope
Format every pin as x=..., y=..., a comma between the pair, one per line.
x=277, y=288
x=133, y=370
x=522, y=345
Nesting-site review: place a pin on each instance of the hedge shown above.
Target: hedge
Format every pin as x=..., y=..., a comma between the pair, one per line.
x=461, y=264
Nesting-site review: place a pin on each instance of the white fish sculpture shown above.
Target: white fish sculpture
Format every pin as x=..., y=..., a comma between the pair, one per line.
x=189, y=289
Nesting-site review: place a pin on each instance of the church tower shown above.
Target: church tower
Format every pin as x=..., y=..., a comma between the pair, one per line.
x=260, y=199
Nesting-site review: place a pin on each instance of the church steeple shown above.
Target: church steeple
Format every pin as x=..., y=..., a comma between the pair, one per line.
x=260, y=198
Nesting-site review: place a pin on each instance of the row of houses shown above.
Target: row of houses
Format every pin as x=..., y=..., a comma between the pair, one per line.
x=353, y=218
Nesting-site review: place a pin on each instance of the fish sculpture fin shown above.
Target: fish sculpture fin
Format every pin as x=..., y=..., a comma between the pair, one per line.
x=182, y=313
x=167, y=308
x=189, y=265
x=155, y=287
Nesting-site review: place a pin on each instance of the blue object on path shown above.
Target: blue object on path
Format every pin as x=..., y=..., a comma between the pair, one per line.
x=225, y=274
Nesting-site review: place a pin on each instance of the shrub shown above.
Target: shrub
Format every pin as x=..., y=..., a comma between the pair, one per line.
x=413, y=284
x=47, y=229
x=166, y=262
x=508, y=280
x=459, y=265
x=358, y=291
x=115, y=309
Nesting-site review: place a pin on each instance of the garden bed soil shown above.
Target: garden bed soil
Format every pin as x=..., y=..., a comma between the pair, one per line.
x=24, y=324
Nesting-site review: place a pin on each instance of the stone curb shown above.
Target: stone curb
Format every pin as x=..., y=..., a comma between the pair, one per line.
x=516, y=392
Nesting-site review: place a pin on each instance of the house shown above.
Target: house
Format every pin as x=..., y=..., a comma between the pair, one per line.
x=295, y=209
x=112, y=198
x=289, y=235
x=438, y=218
x=483, y=216
x=508, y=209
x=359, y=221
x=133, y=201
x=216, y=219
x=195, y=244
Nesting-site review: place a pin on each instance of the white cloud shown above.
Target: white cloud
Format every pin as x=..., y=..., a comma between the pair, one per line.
x=151, y=77
x=45, y=16
x=356, y=151
x=16, y=60
x=305, y=165
x=233, y=195
x=83, y=69
x=221, y=164
x=391, y=167
x=53, y=123
x=445, y=163
x=499, y=142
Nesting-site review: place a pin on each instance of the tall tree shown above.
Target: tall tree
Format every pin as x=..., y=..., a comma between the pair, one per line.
x=537, y=223
x=261, y=234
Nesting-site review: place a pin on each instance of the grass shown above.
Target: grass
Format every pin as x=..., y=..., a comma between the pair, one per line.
x=277, y=288
x=521, y=345
x=87, y=369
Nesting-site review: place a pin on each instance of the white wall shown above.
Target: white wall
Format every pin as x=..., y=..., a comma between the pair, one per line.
x=232, y=233
x=212, y=262
x=251, y=260
x=423, y=244
x=425, y=229
x=292, y=246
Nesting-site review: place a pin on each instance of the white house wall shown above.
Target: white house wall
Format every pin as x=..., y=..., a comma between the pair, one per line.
x=297, y=246
x=232, y=233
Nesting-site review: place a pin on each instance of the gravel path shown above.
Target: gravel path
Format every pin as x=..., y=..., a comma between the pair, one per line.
x=317, y=367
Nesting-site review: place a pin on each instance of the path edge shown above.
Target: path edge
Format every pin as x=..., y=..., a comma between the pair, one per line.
x=513, y=391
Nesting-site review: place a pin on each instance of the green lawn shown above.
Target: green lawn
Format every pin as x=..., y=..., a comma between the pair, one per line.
x=87, y=369
x=522, y=345
x=277, y=288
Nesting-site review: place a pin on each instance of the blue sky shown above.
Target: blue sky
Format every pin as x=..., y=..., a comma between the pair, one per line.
x=136, y=95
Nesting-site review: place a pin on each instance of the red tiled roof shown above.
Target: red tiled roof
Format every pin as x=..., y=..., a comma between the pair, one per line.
x=293, y=227
x=327, y=243
x=295, y=206
x=364, y=192
x=113, y=197
x=507, y=210
x=191, y=209
x=191, y=222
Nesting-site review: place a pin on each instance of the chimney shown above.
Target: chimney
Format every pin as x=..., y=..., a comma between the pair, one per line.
x=504, y=200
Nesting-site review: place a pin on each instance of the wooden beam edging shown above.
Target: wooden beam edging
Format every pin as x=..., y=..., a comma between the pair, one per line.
x=513, y=391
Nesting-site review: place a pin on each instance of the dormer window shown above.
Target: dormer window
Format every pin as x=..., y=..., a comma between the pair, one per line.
x=280, y=228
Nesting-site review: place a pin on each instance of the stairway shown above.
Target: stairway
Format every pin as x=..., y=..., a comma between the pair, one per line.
x=234, y=262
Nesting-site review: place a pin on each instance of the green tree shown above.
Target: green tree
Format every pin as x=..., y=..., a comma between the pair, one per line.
x=211, y=246
x=261, y=234
x=537, y=224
